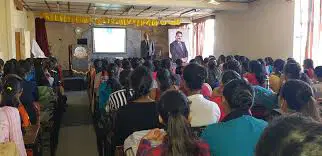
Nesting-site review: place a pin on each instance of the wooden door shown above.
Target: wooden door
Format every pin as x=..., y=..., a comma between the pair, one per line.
x=18, y=45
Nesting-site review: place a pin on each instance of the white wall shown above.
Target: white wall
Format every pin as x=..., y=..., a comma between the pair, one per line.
x=265, y=29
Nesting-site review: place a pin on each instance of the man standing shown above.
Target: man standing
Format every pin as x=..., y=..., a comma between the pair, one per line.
x=147, y=47
x=178, y=48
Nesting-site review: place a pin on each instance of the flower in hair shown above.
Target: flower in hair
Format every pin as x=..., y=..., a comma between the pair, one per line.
x=9, y=88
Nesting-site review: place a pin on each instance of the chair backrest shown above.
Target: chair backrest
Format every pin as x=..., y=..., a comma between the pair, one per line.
x=129, y=152
x=119, y=151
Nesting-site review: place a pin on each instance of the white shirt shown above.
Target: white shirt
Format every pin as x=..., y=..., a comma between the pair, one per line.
x=203, y=111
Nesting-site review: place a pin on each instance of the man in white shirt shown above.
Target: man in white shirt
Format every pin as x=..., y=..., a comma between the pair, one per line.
x=203, y=111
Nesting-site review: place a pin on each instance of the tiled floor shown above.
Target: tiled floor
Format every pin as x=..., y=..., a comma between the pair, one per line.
x=77, y=135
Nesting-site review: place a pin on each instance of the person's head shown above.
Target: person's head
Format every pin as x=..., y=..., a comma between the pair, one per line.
x=257, y=68
x=146, y=35
x=291, y=135
x=318, y=73
x=157, y=65
x=230, y=58
x=291, y=60
x=193, y=61
x=135, y=62
x=292, y=71
x=229, y=75
x=98, y=65
x=126, y=64
x=12, y=90
x=269, y=61
x=166, y=63
x=179, y=36
x=179, y=62
x=112, y=70
x=149, y=65
x=1, y=65
x=9, y=67
x=194, y=76
x=298, y=96
x=205, y=61
x=125, y=78
x=199, y=59
x=221, y=59
x=238, y=95
x=174, y=113
x=141, y=82
x=118, y=62
x=212, y=64
x=263, y=63
x=278, y=66
x=232, y=65
x=165, y=79
x=23, y=68
x=308, y=64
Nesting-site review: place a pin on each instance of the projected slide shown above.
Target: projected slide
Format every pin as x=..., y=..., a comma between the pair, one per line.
x=109, y=40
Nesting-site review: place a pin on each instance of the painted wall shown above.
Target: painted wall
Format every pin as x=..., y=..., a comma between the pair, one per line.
x=13, y=21
x=61, y=35
x=266, y=29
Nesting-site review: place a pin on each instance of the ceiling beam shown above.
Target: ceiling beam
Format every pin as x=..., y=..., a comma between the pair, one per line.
x=174, y=13
x=127, y=10
x=148, y=8
x=27, y=7
x=159, y=12
x=48, y=6
x=232, y=6
x=89, y=6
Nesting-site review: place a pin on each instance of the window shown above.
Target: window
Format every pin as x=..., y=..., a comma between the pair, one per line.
x=209, y=44
x=305, y=11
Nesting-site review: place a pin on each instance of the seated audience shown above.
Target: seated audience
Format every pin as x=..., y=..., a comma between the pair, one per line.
x=165, y=82
x=203, y=111
x=318, y=85
x=120, y=98
x=174, y=113
x=309, y=68
x=213, y=74
x=269, y=65
x=275, y=81
x=298, y=96
x=149, y=64
x=256, y=75
x=140, y=113
x=238, y=132
x=292, y=135
x=111, y=85
x=293, y=71
x=232, y=65
x=10, y=120
x=30, y=91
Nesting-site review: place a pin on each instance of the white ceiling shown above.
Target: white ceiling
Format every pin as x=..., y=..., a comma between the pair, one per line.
x=195, y=10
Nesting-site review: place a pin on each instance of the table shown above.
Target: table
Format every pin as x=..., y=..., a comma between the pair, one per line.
x=32, y=139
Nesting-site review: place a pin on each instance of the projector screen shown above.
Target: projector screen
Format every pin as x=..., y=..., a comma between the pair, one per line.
x=109, y=40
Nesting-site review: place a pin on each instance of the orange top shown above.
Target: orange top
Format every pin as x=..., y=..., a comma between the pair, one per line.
x=24, y=116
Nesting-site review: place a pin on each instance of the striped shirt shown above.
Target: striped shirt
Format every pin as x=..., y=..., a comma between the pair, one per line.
x=117, y=99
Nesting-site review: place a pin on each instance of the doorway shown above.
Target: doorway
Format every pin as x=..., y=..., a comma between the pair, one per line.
x=18, y=45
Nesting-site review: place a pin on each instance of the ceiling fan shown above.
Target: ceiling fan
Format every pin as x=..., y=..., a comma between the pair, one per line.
x=214, y=2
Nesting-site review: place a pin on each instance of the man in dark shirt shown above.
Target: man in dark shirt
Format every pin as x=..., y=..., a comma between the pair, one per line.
x=178, y=48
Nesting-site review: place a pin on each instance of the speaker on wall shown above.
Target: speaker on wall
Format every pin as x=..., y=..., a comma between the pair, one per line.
x=82, y=41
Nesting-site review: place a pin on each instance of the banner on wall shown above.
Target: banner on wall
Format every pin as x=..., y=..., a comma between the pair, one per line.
x=180, y=46
x=57, y=17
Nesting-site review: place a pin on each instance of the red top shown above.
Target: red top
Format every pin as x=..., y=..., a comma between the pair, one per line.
x=145, y=149
x=310, y=73
x=251, y=78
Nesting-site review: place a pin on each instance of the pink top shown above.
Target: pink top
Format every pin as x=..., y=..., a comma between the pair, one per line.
x=206, y=90
x=10, y=128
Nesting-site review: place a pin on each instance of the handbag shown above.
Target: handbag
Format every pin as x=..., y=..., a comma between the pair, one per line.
x=8, y=149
